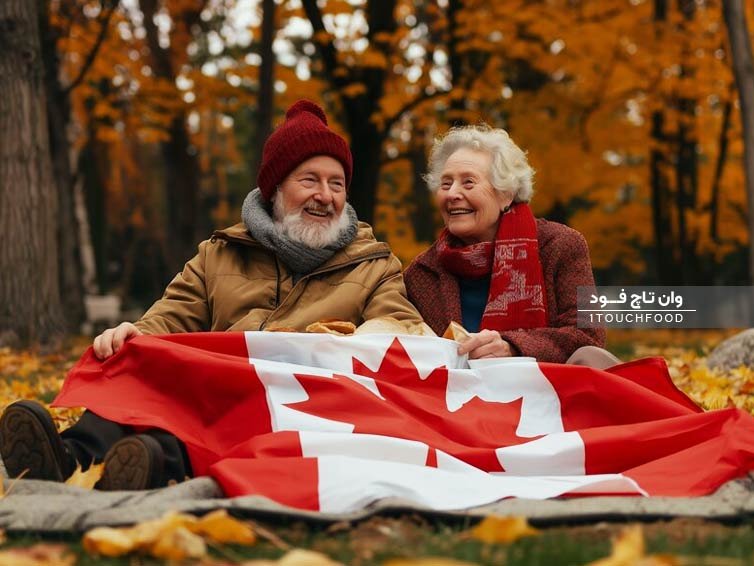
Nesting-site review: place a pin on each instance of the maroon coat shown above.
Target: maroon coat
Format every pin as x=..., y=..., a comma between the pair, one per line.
x=564, y=255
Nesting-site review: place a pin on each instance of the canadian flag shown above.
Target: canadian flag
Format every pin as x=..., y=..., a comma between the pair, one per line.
x=332, y=423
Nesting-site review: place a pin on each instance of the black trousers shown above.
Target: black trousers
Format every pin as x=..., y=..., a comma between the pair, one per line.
x=92, y=436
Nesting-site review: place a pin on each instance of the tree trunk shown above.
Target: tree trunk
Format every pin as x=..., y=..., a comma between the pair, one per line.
x=182, y=192
x=58, y=118
x=88, y=275
x=687, y=164
x=659, y=184
x=660, y=204
x=743, y=69
x=722, y=158
x=424, y=217
x=457, y=104
x=366, y=138
x=366, y=147
x=92, y=168
x=30, y=308
x=182, y=171
x=266, y=100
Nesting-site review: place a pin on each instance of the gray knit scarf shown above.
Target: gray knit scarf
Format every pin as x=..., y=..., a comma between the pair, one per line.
x=300, y=258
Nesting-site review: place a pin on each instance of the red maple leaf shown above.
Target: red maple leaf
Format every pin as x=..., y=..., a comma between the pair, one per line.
x=414, y=409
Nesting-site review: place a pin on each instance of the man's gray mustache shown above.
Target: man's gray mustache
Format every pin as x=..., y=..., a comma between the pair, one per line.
x=329, y=208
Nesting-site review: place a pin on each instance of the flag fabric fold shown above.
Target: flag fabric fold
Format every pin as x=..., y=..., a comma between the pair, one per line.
x=331, y=423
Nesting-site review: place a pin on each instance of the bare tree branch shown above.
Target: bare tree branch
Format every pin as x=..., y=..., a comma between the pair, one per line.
x=104, y=25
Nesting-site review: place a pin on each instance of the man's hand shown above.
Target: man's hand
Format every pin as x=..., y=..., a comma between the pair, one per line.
x=111, y=340
x=485, y=344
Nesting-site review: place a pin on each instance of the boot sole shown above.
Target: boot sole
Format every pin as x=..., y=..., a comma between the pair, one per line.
x=132, y=464
x=26, y=433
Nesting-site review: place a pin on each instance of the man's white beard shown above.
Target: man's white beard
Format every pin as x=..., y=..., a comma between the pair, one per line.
x=312, y=233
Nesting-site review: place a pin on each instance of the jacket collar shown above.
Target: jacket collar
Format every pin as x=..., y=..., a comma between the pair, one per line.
x=364, y=245
x=237, y=234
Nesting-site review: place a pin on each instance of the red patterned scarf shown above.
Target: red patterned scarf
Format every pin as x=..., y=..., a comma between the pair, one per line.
x=517, y=290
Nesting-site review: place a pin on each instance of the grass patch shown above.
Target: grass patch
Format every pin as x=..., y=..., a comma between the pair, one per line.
x=379, y=539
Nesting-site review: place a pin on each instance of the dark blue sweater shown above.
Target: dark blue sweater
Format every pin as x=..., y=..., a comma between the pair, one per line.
x=474, y=293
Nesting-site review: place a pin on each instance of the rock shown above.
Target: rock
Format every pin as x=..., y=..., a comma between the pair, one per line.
x=736, y=351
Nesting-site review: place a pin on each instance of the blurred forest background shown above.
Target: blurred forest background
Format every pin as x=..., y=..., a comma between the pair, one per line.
x=129, y=129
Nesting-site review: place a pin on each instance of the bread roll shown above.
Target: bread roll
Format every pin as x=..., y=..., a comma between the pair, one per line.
x=456, y=332
x=337, y=327
x=390, y=325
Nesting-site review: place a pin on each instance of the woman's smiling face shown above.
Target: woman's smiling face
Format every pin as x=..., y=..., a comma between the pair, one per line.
x=469, y=204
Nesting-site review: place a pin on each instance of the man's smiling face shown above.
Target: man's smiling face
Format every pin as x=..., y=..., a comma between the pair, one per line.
x=309, y=203
x=316, y=189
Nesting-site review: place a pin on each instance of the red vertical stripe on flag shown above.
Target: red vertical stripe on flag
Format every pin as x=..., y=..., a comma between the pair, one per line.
x=704, y=451
x=288, y=481
x=226, y=343
x=594, y=398
x=212, y=400
x=652, y=374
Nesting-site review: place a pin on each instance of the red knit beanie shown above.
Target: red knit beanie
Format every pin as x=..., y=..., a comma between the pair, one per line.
x=304, y=134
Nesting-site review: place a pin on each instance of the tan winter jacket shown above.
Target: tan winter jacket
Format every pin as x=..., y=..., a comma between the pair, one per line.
x=234, y=283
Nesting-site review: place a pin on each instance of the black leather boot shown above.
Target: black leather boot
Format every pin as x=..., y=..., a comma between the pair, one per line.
x=137, y=462
x=30, y=441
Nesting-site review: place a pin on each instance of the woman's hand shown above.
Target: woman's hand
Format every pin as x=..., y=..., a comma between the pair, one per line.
x=485, y=344
x=112, y=339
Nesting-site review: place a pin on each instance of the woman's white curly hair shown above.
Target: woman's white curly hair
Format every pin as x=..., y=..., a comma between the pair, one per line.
x=510, y=171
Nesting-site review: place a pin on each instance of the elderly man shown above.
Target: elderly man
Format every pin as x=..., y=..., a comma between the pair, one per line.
x=299, y=256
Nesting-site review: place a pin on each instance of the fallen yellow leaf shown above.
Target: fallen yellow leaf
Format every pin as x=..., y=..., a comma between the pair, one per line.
x=178, y=544
x=220, y=527
x=108, y=541
x=88, y=478
x=149, y=532
x=295, y=557
x=174, y=536
x=28, y=367
x=301, y=557
x=670, y=560
x=629, y=550
x=41, y=554
x=22, y=390
x=496, y=529
x=426, y=561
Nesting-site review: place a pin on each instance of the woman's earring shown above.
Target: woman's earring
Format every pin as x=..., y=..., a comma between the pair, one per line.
x=506, y=209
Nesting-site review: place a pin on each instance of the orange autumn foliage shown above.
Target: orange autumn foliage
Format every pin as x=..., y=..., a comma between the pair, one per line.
x=576, y=83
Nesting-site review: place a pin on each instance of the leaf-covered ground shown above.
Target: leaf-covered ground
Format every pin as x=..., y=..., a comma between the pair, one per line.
x=409, y=540
x=685, y=352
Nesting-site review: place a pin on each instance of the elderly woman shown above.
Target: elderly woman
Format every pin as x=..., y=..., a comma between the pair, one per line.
x=508, y=277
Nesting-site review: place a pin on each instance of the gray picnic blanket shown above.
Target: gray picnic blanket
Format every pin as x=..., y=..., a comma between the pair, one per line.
x=42, y=506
